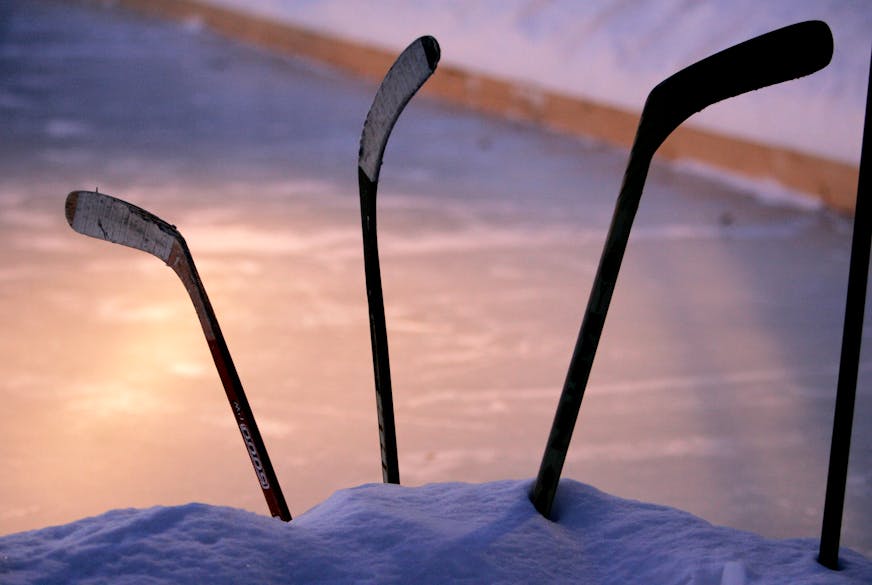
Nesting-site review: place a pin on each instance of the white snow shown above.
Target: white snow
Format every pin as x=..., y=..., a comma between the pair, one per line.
x=615, y=52
x=438, y=533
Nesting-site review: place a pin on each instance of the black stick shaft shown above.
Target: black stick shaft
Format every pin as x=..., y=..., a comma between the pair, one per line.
x=378, y=332
x=852, y=336
x=183, y=264
x=583, y=355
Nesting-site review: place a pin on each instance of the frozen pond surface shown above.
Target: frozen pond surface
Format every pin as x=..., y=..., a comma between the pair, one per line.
x=713, y=387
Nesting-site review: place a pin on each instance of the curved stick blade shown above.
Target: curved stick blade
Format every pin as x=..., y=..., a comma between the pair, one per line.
x=106, y=218
x=412, y=68
x=775, y=57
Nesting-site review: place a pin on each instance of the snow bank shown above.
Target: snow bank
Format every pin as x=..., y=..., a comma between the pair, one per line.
x=615, y=52
x=439, y=533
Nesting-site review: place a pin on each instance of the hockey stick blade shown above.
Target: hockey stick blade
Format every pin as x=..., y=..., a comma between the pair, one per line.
x=775, y=57
x=409, y=72
x=412, y=68
x=107, y=218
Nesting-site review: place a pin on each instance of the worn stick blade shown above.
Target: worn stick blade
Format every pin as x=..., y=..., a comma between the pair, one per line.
x=775, y=57
x=408, y=73
x=107, y=218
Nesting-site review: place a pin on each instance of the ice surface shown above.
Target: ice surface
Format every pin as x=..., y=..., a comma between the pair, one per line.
x=438, y=533
x=615, y=52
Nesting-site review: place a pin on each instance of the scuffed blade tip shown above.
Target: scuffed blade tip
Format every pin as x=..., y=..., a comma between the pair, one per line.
x=824, y=40
x=431, y=50
x=808, y=46
x=70, y=206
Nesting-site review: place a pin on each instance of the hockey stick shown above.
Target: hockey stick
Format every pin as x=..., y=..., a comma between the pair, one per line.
x=107, y=218
x=408, y=73
x=852, y=336
x=778, y=56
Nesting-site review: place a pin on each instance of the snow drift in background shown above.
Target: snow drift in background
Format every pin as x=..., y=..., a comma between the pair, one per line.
x=615, y=52
x=440, y=533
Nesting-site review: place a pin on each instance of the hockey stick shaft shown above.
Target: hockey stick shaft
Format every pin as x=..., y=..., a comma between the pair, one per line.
x=182, y=264
x=852, y=337
x=772, y=58
x=387, y=427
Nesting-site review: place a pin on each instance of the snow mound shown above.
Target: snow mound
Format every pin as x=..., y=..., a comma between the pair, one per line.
x=439, y=533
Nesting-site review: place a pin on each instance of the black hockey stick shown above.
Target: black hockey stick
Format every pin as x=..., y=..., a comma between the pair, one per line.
x=408, y=73
x=778, y=56
x=852, y=336
x=107, y=218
